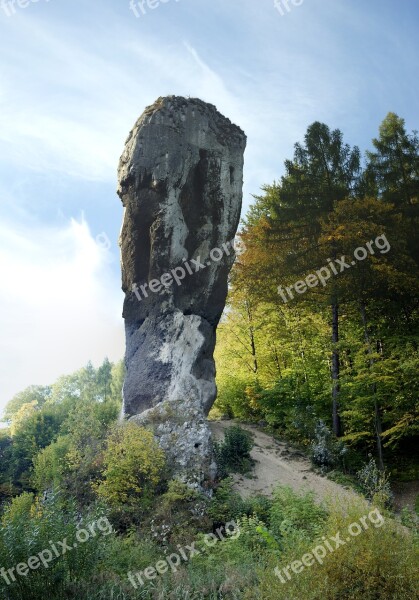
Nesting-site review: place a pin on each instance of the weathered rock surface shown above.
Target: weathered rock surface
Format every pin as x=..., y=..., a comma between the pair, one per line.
x=180, y=182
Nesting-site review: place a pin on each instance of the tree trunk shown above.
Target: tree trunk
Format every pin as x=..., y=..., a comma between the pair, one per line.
x=276, y=360
x=337, y=426
x=252, y=338
x=377, y=416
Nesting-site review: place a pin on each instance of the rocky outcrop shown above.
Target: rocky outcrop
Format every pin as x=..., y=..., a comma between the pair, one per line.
x=180, y=182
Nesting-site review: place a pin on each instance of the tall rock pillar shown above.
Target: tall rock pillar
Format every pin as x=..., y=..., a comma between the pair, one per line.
x=180, y=182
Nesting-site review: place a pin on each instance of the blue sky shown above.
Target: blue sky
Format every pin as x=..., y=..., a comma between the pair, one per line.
x=74, y=77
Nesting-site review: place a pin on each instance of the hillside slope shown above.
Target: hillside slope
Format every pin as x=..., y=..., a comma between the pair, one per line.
x=277, y=463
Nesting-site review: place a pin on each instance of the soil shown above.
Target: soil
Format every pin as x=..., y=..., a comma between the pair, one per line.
x=278, y=463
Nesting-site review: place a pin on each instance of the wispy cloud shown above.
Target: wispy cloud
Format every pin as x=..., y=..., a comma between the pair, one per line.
x=75, y=76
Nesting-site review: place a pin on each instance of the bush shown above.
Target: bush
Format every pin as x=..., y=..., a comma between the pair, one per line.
x=226, y=504
x=410, y=519
x=295, y=517
x=378, y=564
x=133, y=468
x=29, y=527
x=326, y=451
x=258, y=506
x=375, y=484
x=177, y=515
x=228, y=568
x=50, y=465
x=233, y=455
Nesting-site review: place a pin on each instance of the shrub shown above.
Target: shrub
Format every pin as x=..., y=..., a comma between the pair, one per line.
x=258, y=506
x=233, y=454
x=226, y=569
x=410, y=519
x=326, y=450
x=177, y=515
x=30, y=526
x=378, y=564
x=226, y=504
x=294, y=517
x=375, y=484
x=133, y=466
x=50, y=465
x=178, y=495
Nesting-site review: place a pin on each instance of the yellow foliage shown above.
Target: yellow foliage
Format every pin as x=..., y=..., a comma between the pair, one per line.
x=133, y=465
x=378, y=562
x=22, y=414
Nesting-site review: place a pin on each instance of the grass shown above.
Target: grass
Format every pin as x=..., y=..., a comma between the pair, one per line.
x=378, y=563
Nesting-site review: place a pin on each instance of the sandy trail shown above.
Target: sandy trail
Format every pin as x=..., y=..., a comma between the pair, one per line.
x=277, y=463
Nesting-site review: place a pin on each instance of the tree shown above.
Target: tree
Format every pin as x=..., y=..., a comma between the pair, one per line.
x=393, y=172
x=33, y=433
x=34, y=394
x=117, y=382
x=104, y=379
x=395, y=163
x=324, y=172
x=6, y=485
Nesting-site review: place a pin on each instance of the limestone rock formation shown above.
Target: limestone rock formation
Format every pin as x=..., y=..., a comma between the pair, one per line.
x=180, y=182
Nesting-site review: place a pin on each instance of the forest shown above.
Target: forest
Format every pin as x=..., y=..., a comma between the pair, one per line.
x=343, y=352
x=318, y=346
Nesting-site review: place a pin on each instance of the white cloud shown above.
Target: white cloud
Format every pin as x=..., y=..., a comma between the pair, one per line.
x=74, y=80
x=94, y=98
x=59, y=304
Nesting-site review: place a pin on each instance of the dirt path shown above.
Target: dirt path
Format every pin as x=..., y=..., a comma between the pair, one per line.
x=277, y=463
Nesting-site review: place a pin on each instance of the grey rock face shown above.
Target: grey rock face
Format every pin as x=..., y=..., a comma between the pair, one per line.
x=180, y=182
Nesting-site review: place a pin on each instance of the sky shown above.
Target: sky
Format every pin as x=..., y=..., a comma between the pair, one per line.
x=76, y=75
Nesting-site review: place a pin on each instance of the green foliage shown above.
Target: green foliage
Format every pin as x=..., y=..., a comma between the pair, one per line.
x=50, y=465
x=232, y=400
x=29, y=527
x=410, y=519
x=277, y=360
x=345, y=480
x=35, y=431
x=86, y=429
x=326, y=451
x=7, y=489
x=294, y=517
x=375, y=484
x=239, y=565
x=133, y=466
x=393, y=165
x=229, y=567
x=34, y=394
x=57, y=433
x=233, y=454
x=176, y=514
x=177, y=495
x=226, y=504
x=259, y=507
x=381, y=562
